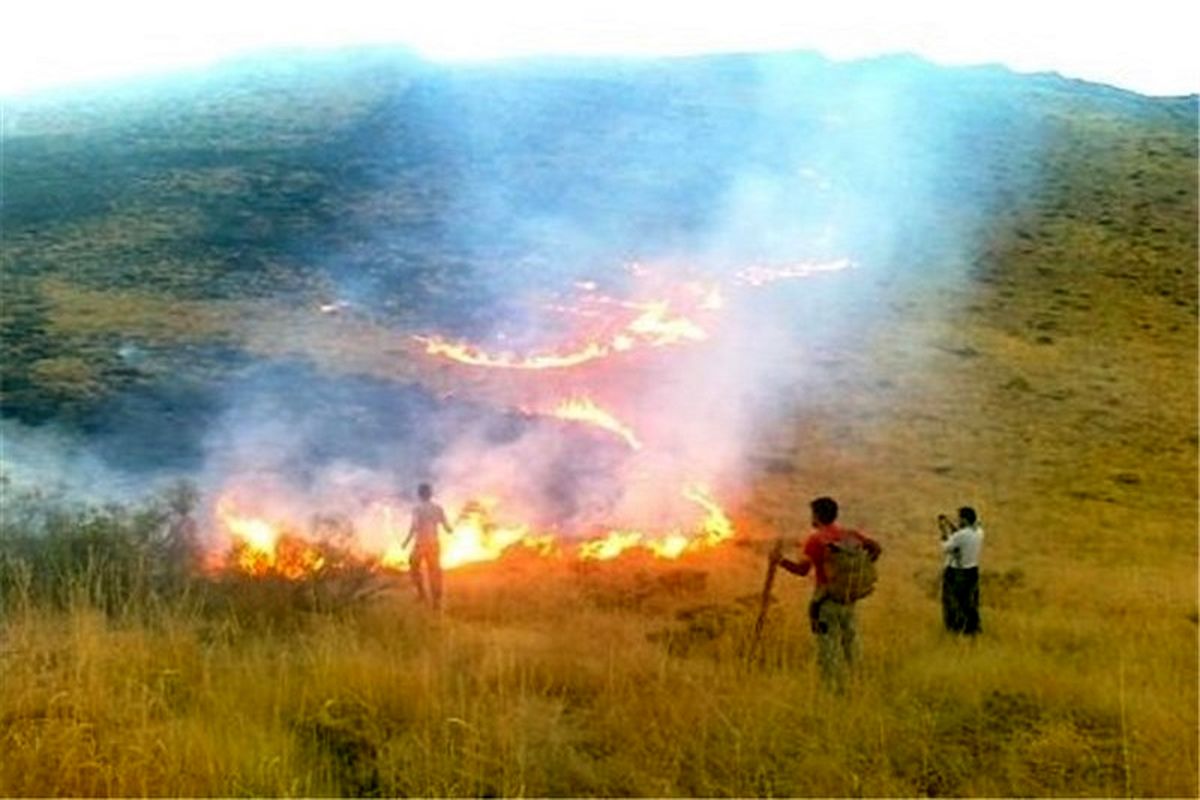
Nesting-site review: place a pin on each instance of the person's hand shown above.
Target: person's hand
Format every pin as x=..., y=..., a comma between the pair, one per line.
x=776, y=553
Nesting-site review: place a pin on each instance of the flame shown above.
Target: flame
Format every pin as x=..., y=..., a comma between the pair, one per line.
x=476, y=538
x=715, y=529
x=673, y=545
x=717, y=526
x=610, y=546
x=473, y=539
x=474, y=356
x=261, y=548
x=657, y=329
x=761, y=276
x=600, y=326
x=653, y=325
x=584, y=410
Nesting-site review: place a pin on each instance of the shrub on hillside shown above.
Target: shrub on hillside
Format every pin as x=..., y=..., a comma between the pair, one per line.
x=118, y=558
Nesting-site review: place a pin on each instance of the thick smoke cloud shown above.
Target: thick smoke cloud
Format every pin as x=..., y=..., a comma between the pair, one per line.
x=516, y=183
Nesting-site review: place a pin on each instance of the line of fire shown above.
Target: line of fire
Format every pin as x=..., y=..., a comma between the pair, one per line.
x=580, y=384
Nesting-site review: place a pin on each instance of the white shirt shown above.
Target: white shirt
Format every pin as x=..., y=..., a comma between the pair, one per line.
x=427, y=517
x=963, y=546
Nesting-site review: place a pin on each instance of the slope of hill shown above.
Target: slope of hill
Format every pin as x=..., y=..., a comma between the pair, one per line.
x=425, y=194
x=255, y=245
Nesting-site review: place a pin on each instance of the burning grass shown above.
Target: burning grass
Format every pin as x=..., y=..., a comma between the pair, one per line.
x=259, y=546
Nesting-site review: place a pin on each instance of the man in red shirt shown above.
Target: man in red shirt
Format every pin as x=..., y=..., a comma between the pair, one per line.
x=832, y=621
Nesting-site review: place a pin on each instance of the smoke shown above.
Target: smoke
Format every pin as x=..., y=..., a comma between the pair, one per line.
x=482, y=197
x=806, y=162
x=56, y=463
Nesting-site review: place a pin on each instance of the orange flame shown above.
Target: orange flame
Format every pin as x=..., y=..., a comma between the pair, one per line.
x=477, y=357
x=584, y=410
x=610, y=546
x=474, y=538
x=603, y=327
x=261, y=548
x=653, y=326
x=716, y=528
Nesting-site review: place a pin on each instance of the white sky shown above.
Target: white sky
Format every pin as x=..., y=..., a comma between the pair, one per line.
x=1149, y=46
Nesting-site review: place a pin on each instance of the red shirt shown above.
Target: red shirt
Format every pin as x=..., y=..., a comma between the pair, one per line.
x=814, y=546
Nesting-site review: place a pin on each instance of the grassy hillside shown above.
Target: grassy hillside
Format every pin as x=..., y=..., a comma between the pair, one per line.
x=1029, y=346
x=410, y=189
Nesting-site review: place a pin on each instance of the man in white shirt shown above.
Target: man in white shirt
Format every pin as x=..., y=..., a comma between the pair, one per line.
x=428, y=520
x=961, y=545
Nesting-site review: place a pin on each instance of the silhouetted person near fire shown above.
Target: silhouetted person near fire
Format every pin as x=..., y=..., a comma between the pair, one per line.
x=961, y=544
x=428, y=519
x=831, y=549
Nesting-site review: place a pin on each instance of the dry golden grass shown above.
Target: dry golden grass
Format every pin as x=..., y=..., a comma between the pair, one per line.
x=544, y=680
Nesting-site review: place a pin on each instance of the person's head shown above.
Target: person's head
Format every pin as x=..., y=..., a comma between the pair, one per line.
x=966, y=516
x=824, y=510
x=425, y=491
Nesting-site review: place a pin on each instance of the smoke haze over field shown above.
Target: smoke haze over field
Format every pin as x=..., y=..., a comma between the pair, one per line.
x=474, y=201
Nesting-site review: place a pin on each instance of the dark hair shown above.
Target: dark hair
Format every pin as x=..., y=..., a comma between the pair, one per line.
x=424, y=491
x=967, y=515
x=825, y=509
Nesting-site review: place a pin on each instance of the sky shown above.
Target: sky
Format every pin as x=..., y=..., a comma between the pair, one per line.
x=1147, y=46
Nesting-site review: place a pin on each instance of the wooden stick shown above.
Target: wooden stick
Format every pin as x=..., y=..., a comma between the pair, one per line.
x=772, y=566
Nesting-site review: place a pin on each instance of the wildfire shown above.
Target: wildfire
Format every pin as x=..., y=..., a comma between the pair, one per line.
x=609, y=546
x=476, y=538
x=761, y=276
x=657, y=328
x=654, y=325
x=717, y=526
x=651, y=324
x=599, y=327
x=474, y=356
x=715, y=529
x=584, y=410
x=261, y=548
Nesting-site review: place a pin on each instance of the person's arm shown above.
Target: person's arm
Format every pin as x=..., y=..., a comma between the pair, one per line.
x=800, y=567
x=953, y=548
x=412, y=531
x=946, y=526
x=873, y=548
x=443, y=521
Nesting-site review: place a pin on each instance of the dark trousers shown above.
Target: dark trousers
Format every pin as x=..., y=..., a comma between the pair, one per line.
x=960, y=600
